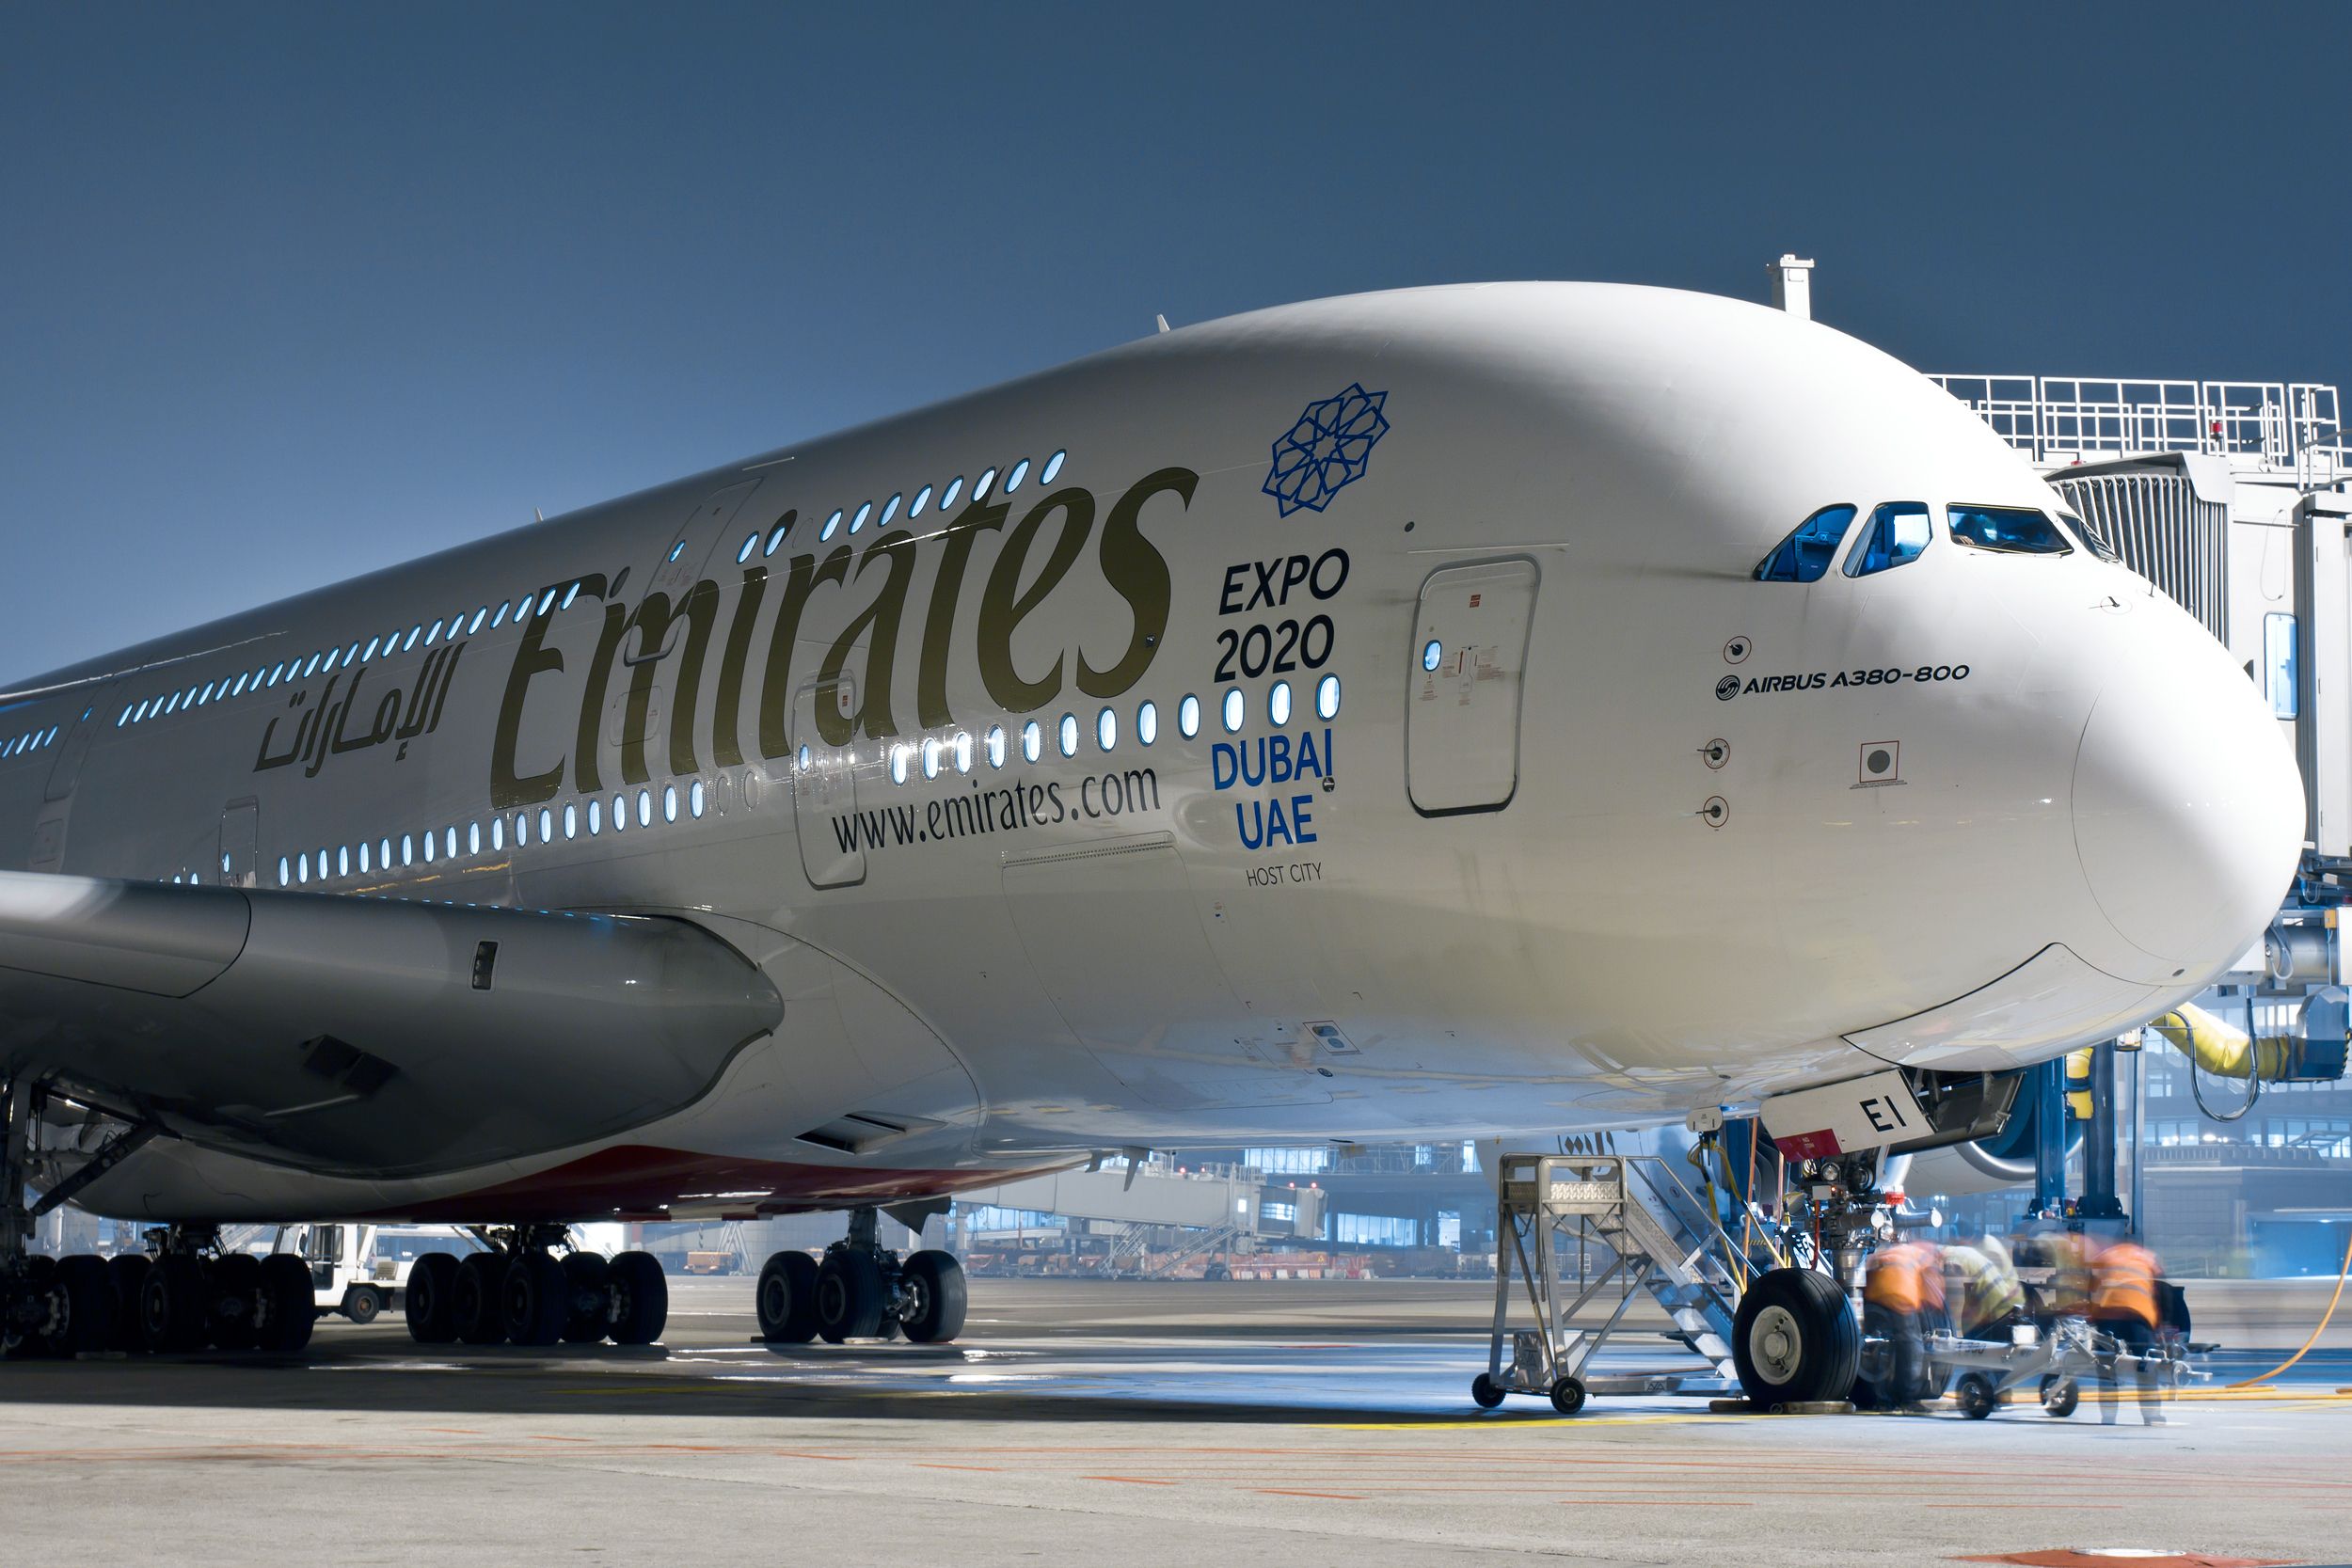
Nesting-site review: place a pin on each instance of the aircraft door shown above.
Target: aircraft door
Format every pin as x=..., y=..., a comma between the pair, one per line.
x=698, y=539
x=824, y=789
x=1469, y=666
x=240, y=829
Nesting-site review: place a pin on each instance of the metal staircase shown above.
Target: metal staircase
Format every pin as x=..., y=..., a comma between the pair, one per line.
x=1612, y=1229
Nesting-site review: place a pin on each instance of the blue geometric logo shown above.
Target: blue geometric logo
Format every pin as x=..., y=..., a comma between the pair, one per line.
x=1326, y=450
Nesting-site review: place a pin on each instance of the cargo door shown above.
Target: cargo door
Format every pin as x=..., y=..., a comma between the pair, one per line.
x=240, y=829
x=824, y=789
x=1469, y=665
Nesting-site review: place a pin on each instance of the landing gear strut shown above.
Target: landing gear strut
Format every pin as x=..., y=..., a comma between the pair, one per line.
x=519, y=1291
x=861, y=1291
x=85, y=1305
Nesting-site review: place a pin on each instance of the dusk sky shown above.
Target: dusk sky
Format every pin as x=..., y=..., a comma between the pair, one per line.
x=290, y=293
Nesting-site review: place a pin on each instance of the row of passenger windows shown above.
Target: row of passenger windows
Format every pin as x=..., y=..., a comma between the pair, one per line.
x=31, y=740
x=326, y=660
x=1899, y=533
x=1232, y=712
x=592, y=818
x=948, y=496
x=573, y=820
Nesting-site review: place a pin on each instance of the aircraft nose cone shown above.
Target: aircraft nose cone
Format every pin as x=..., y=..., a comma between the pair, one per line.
x=2187, y=806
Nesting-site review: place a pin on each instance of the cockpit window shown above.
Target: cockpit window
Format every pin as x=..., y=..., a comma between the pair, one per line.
x=2014, y=528
x=1897, y=534
x=1805, y=554
x=2091, y=536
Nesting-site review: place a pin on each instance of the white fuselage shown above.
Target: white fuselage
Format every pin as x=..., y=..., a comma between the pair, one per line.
x=1623, y=853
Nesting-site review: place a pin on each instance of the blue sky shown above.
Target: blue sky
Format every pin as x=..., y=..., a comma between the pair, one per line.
x=292, y=292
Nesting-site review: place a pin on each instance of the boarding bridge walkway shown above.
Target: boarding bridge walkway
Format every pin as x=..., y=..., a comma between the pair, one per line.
x=1224, y=1204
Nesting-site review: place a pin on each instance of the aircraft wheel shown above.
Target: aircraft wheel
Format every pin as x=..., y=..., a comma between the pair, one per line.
x=641, y=1298
x=1567, y=1395
x=235, y=1300
x=288, y=1305
x=173, y=1304
x=787, y=1298
x=585, y=1277
x=849, y=1295
x=1974, y=1395
x=127, y=1272
x=1794, y=1338
x=86, y=1292
x=431, y=1290
x=474, y=1305
x=2060, y=1396
x=1485, y=1392
x=935, y=1297
x=534, y=1300
x=39, y=1274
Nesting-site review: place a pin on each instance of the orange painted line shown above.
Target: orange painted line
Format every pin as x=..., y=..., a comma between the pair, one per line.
x=1287, y=1492
x=1647, y=1502
x=2020, y=1505
x=1131, y=1481
x=992, y=1469
x=461, y=1432
x=802, y=1453
x=542, y=1438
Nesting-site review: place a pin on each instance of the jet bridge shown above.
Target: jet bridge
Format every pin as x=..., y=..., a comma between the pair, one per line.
x=1127, y=1203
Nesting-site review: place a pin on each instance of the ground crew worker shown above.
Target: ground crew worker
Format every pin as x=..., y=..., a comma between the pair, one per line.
x=1903, y=1283
x=2124, y=1305
x=1987, y=1299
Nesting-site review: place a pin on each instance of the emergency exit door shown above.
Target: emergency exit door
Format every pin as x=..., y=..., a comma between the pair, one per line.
x=824, y=789
x=1468, y=670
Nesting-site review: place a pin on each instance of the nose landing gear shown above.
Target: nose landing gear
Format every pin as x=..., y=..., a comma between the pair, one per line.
x=861, y=1291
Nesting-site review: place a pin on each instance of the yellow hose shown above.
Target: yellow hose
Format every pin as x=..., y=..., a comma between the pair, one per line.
x=2222, y=1048
x=2341, y=1275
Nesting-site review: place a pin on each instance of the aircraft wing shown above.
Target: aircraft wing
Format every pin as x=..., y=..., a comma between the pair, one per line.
x=364, y=1035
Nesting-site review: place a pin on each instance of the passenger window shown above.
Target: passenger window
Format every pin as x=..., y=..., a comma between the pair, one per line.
x=2016, y=529
x=1897, y=534
x=1805, y=554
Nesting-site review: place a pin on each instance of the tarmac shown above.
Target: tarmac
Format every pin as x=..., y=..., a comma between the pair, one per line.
x=1089, y=1422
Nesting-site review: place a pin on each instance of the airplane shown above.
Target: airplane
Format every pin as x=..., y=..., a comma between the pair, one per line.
x=1729, y=719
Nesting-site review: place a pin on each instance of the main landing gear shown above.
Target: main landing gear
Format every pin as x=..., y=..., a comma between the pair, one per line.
x=183, y=1293
x=861, y=1291
x=520, y=1291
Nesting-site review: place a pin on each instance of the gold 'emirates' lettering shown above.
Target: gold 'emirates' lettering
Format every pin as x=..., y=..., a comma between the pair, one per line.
x=1060, y=523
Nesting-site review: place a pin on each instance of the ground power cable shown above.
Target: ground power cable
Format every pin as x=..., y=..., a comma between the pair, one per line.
x=2341, y=1275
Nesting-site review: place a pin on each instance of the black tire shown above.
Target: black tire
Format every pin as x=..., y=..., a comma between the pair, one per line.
x=589, y=1303
x=641, y=1298
x=2061, y=1397
x=474, y=1304
x=935, y=1297
x=288, y=1305
x=1794, y=1339
x=787, y=1298
x=86, y=1293
x=1567, y=1395
x=432, y=1288
x=361, y=1304
x=127, y=1273
x=235, y=1305
x=1974, y=1395
x=534, y=1300
x=1874, y=1366
x=173, y=1304
x=40, y=1274
x=1485, y=1392
x=849, y=1295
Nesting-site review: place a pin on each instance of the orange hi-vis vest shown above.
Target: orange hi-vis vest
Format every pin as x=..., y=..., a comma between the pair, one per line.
x=2124, y=1283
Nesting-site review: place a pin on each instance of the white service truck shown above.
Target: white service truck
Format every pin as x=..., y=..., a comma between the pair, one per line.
x=360, y=1270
